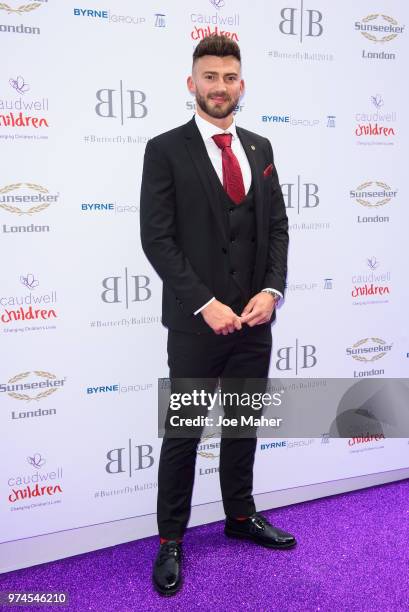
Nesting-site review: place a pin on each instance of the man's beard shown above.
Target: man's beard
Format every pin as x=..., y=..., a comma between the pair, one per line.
x=218, y=112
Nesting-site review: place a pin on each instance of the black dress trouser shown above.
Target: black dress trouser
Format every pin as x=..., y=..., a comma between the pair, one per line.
x=243, y=354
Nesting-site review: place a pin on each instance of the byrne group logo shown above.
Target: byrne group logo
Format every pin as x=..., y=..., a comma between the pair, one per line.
x=32, y=386
x=286, y=444
x=326, y=284
x=215, y=24
x=109, y=207
x=109, y=16
x=119, y=388
x=32, y=306
x=42, y=483
x=291, y=120
x=372, y=286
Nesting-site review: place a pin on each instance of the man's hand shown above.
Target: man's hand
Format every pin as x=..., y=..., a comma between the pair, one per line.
x=221, y=318
x=258, y=310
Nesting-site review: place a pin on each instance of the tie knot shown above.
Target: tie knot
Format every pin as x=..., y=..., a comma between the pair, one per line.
x=222, y=140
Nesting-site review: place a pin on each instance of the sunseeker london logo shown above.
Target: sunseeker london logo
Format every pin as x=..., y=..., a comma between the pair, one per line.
x=19, y=10
x=380, y=30
x=373, y=196
x=26, y=198
x=21, y=200
x=367, y=351
x=32, y=386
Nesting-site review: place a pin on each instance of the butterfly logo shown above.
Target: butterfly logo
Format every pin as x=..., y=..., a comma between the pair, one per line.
x=29, y=281
x=19, y=85
x=372, y=262
x=36, y=461
x=218, y=4
x=377, y=100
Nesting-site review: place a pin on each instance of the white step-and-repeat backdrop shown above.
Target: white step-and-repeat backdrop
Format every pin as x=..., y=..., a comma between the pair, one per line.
x=83, y=86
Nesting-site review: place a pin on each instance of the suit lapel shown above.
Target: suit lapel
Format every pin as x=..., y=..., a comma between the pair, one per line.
x=251, y=151
x=205, y=170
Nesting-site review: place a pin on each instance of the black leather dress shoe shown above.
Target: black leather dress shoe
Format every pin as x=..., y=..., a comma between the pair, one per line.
x=259, y=530
x=167, y=576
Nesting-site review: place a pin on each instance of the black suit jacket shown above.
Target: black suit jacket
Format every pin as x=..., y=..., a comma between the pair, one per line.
x=182, y=226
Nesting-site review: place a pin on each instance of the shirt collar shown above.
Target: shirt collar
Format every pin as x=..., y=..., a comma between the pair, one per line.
x=207, y=129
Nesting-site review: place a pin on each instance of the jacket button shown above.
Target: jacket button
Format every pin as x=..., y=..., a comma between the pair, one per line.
x=231, y=209
x=232, y=239
x=232, y=272
x=224, y=250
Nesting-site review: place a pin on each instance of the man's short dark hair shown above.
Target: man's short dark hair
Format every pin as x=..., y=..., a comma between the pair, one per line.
x=219, y=45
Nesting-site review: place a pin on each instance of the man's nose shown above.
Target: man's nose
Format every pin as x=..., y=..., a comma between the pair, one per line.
x=221, y=84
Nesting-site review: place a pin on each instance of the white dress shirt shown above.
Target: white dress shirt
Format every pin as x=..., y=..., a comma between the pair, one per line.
x=207, y=130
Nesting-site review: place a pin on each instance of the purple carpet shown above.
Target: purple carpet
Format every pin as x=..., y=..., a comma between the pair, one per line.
x=352, y=555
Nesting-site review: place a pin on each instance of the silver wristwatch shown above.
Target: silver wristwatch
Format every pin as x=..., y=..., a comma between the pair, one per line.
x=276, y=296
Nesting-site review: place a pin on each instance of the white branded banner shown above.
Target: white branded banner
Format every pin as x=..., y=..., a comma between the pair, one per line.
x=83, y=89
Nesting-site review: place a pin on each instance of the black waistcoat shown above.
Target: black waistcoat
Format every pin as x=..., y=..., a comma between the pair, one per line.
x=240, y=220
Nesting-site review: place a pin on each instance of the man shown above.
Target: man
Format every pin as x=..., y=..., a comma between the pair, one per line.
x=214, y=227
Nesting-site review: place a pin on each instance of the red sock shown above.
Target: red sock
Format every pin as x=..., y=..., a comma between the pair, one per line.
x=241, y=518
x=163, y=540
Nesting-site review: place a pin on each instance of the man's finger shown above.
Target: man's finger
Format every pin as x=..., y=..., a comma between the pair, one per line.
x=257, y=321
x=248, y=308
x=237, y=323
x=252, y=315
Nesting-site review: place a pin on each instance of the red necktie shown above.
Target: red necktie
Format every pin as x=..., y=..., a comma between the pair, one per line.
x=232, y=176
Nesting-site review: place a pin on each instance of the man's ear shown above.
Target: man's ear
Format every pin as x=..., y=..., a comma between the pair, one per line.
x=242, y=87
x=190, y=85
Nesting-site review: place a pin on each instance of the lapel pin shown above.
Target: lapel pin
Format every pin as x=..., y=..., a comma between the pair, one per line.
x=253, y=147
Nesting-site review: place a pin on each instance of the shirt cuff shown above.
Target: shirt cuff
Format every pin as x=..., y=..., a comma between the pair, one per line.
x=204, y=306
x=275, y=291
